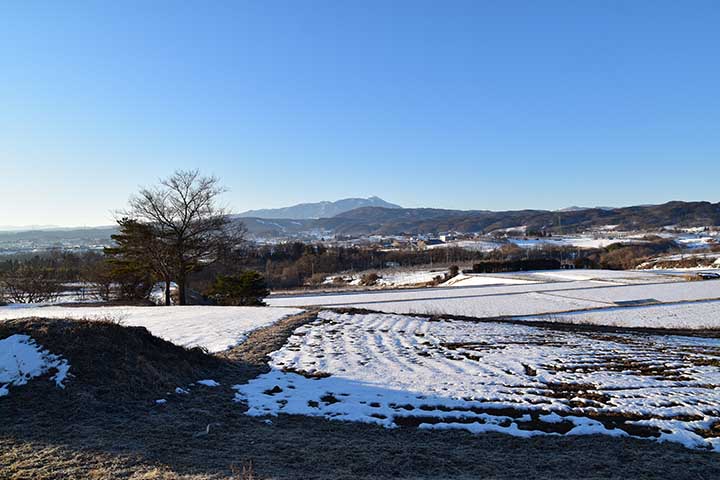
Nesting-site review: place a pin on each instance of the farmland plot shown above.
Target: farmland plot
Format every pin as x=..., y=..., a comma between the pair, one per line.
x=690, y=316
x=402, y=371
x=486, y=306
x=213, y=328
x=538, y=299
x=667, y=292
x=421, y=294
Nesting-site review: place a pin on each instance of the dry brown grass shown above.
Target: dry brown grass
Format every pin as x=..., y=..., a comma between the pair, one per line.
x=115, y=362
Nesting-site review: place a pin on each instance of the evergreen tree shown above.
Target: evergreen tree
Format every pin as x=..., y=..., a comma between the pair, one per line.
x=248, y=289
x=140, y=253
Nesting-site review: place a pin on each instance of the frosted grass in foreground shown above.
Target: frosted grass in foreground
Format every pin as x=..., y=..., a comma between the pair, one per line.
x=21, y=360
x=396, y=370
x=213, y=328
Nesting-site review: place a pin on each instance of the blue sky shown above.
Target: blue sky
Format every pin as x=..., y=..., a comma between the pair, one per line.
x=471, y=105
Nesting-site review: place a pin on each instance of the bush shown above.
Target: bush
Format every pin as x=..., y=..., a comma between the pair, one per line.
x=316, y=279
x=370, y=279
x=247, y=289
x=516, y=265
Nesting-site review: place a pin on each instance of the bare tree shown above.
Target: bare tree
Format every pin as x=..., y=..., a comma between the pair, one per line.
x=185, y=216
x=30, y=284
x=100, y=276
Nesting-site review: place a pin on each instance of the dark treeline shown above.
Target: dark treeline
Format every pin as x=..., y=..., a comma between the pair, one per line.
x=29, y=278
x=58, y=264
x=295, y=264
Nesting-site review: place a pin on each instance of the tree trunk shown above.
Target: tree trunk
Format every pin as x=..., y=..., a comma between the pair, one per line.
x=181, y=290
x=167, y=292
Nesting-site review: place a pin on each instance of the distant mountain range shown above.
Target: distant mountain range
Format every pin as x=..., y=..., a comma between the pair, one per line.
x=304, y=211
x=394, y=220
x=429, y=220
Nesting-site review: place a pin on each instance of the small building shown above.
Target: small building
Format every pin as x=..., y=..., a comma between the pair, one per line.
x=430, y=242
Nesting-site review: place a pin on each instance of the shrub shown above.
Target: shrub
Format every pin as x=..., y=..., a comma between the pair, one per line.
x=247, y=289
x=316, y=279
x=370, y=279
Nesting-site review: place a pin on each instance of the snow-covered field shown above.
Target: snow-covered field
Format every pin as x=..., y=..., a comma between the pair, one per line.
x=214, y=328
x=483, y=306
x=473, y=280
x=666, y=292
x=21, y=359
x=474, y=245
x=692, y=315
x=398, y=370
x=615, y=276
x=399, y=278
x=370, y=299
x=581, y=290
x=580, y=241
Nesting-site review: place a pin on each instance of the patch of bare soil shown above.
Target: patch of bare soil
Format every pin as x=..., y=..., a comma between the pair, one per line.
x=83, y=432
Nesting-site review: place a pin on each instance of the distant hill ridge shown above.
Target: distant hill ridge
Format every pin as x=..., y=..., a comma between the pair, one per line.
x=394, y=220
x=305, y=211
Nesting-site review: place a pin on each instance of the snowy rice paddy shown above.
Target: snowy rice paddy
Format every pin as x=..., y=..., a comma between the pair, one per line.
x=586, y=292
x=403, y=371
x=213, y=328
x=684, y=315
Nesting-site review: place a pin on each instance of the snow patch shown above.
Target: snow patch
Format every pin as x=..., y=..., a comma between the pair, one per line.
x=21, y=359
x=208, y=383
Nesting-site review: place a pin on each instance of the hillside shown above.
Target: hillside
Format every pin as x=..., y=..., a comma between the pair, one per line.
x=424, y=220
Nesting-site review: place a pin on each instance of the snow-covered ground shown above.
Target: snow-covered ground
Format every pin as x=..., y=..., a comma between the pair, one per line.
x=398, y=370
x=580, y=241
x=470, y=280
x=704, y=260
x=697, y=240
x=402, y=279
x=474, y=245
x=483, y=306
x=664, y=292
x=420, y=294
x=213, y=328
x=390, y=278
x=21, y=359
x=615, y=276
x=691, y=315
x=606, y=289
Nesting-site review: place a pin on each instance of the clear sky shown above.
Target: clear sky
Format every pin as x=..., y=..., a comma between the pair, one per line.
x=472, y=105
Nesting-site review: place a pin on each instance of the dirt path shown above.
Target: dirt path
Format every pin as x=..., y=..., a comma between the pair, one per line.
x=48, y=433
